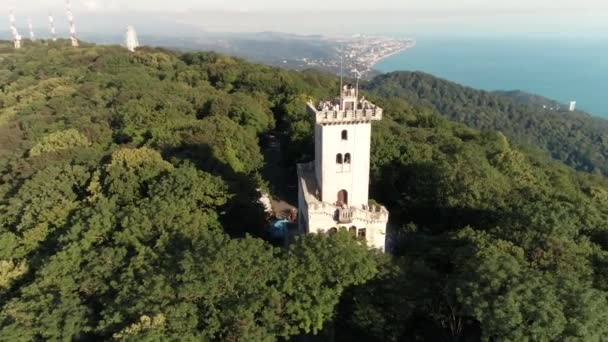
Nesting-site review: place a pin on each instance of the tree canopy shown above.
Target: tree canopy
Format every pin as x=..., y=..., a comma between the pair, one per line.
x=128, y=208
x=575, y=138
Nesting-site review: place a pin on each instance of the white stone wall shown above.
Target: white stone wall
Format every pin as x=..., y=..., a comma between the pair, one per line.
x=375, y=233
x=318, y=154
x=302, y=210
x=353, y=178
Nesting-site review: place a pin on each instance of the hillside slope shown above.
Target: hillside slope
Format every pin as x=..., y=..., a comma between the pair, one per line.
x=128, y=211
x=577, y=139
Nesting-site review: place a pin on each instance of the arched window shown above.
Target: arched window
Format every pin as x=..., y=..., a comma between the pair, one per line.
x=352, y=230
x=339, y=158
x=344, y=135
x=342, y=197
x=333, y=230
x=347, y=158
x=362, y=232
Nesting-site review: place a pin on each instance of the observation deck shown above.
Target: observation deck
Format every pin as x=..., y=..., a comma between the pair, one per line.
x=346, y=109
x=330, y=115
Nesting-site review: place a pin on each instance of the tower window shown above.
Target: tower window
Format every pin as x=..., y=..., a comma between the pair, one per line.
x=344, y=135
x=339, y=159
x=347, y=158
x=362, y=232
x=342, y=197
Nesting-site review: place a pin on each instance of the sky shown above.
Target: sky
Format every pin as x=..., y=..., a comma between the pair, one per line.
x=266, y=5
x=407, y=17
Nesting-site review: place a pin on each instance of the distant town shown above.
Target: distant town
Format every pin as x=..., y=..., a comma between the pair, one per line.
x=353, y=56
x=327, y=53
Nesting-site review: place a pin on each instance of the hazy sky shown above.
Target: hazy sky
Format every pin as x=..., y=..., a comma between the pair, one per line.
x=264, y=5
x=410, y=17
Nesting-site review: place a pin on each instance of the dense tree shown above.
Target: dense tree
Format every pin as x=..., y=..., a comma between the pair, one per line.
x=577, y=139
x=128, y=207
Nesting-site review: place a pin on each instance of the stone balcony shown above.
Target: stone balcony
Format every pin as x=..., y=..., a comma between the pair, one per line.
x=330, y=115
x=315, y=207
x=344, y=215
x=367, y=214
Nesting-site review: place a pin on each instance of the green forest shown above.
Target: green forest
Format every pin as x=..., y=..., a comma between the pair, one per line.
x=129, y=186
x=577, y=139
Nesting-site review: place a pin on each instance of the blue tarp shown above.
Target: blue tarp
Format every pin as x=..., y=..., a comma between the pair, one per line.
x=279, y=229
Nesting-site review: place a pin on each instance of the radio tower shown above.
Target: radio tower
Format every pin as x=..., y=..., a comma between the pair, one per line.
x=52, y=27
x=31, y=27
x=72, y=25
x=16, y=36
x=131, y=41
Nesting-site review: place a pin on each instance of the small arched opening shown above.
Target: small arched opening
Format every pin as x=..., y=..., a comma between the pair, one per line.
x=339, y=159
x=344, y=135
x=333, y=230
x=347, y=158
x=342, y=197
x=362, y=233
x=353, y=230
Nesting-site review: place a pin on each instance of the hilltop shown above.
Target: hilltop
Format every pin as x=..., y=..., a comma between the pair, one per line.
x=128, y=211
x=575, y=138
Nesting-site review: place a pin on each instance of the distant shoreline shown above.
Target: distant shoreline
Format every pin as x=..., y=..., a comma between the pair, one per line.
x=380, y=59
x=501, y=65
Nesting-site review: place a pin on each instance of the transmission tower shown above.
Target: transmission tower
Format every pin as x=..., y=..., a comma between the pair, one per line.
x=31, y=27
x=70, y=15
x=131, y=41
x=52, y=27
x=16, y=35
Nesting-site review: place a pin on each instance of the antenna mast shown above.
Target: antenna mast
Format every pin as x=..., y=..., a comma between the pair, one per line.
x=341, y=74
x=31, y=27
x=16, y=36
x=358, y=76
x=52, y=27
x=70, y=15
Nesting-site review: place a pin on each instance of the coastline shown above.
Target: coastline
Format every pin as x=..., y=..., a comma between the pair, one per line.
x=396, y=52
x=576, y=74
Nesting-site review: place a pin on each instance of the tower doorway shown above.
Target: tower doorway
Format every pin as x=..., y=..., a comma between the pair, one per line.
x=342, y=197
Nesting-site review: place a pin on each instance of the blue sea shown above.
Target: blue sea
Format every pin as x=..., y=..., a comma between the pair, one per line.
x=561, y=69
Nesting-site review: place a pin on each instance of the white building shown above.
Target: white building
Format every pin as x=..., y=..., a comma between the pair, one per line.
x=333, y=191
x=572, y=106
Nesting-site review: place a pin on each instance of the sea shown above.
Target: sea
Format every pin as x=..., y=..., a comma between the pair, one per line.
x=568, y=69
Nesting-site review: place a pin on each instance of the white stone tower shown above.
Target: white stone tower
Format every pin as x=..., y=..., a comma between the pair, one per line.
x=334, y=189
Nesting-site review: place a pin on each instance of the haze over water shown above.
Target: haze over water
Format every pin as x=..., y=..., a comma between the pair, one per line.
x=560, y=69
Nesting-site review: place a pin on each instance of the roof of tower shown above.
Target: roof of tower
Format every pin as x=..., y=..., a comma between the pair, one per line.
x=327, y=112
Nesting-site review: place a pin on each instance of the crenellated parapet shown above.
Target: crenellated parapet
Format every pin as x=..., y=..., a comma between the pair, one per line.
x=348, y=108
x=334, y=115
x=367, y=215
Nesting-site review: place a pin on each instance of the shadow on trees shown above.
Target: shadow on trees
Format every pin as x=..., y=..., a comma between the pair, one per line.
x=243, y=214
x=415, y=197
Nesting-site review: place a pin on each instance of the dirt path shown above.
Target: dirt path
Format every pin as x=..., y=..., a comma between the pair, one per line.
x=282, y=182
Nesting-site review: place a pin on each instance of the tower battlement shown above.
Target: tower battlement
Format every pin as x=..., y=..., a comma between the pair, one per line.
x=324, y=114
x=347, y=109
